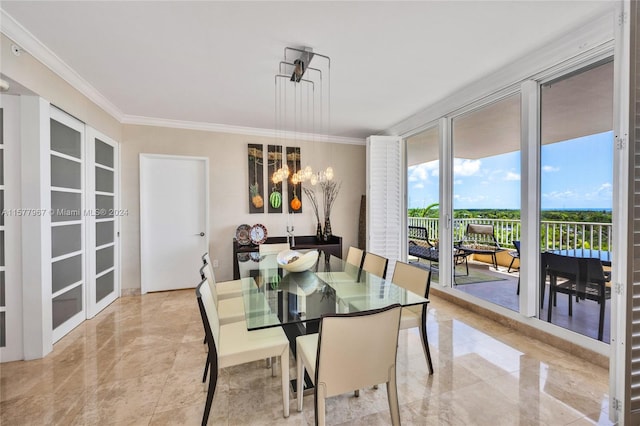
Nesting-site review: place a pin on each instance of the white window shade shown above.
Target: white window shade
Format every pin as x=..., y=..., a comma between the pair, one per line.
x=386, y=212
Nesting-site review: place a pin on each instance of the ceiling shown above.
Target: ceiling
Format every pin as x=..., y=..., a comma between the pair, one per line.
x=214, y=62
x=575, y=105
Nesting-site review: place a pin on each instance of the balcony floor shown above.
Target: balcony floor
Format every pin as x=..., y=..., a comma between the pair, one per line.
x=503, y=292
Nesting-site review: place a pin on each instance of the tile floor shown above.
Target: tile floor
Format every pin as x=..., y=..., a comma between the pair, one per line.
x=140, y=362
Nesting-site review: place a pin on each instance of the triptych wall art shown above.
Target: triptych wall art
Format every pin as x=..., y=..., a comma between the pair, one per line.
x=267, y=192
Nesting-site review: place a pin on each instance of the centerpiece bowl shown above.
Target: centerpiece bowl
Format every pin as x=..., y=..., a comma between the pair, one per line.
x=293, y=261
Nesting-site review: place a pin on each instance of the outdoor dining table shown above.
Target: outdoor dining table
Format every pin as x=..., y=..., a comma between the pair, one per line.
x=603, y=255
x=296, y=301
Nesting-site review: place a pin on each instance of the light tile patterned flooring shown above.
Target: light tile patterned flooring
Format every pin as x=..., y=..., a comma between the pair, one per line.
x=140, y=362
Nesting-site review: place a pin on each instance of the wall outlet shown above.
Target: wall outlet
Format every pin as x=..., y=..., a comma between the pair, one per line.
x=215, y=263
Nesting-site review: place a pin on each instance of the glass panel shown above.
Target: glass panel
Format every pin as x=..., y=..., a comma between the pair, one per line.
x=104, y=153
x=65, y=239
x=576, y=200
x=104, y=206
x=66, y=305
x=65, y=140
x=1, y=207
x=423, y=191
x=66, y=206
x=65, y=173
x=3, y=330
x=2, y=289
x=104, y=259
x=486, y=192
x=66, y=272
x=104, y=286
x=104, y=233
x=2, y=248
x=1, y=166
x=104, y=180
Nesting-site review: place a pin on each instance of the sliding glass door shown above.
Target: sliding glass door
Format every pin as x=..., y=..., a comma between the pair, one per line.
x=576, y=177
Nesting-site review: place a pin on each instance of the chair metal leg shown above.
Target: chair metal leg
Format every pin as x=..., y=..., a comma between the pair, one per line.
x=425, y=339
x=601, y=320
x=274, y=373
x=392, y=396
x=213, y=380
x=510, y=265
x=551, y=294
x=206, y=369
x=356, y=393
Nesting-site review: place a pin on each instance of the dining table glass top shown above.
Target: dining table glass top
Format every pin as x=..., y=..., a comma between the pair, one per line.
x=273, y=296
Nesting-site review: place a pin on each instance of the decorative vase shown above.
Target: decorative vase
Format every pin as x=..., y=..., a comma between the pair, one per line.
x=319, y=235
x=327, y=229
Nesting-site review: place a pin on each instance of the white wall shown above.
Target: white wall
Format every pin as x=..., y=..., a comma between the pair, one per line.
x=229, y=205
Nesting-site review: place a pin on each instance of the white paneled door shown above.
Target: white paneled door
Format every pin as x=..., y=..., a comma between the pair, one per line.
x=68, y=274
x=173, y=220
x=103, y=220
x=11, y=347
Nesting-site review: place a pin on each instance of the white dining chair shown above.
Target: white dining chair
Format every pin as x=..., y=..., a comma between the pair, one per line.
x=232, y=344
x=273, y=248
x=225, y=289
x=374, y=264
x=418, y=281
x=345, y=355
x=354, y=256
x=229, y=310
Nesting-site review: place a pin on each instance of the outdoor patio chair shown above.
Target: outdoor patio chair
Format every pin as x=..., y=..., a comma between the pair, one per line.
x=515, y=254
x=583, y=278
x=478, y=239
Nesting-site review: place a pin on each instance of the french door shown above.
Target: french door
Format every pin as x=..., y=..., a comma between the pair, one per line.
x=102, y=221
x=84, y=222
x=68, y=284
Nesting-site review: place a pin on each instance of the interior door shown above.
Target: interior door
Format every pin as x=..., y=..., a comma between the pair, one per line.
x=103, y=219
x=67, y=155
x=11, y=347
x=173, y=220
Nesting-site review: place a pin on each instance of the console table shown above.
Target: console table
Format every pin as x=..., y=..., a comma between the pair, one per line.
x=333, y=247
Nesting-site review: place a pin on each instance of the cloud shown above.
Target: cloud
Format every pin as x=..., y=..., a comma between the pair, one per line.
x=512, y=176
x=550, y=169
x=466, y=167
x=418, y=186
x=559, y=195
x=458, y=182
x=421, y=172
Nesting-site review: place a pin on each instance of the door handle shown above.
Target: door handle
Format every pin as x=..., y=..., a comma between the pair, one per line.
x=200, y=234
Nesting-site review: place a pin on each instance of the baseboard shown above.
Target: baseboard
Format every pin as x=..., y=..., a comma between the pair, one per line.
x=555, y=341
x=129, y=292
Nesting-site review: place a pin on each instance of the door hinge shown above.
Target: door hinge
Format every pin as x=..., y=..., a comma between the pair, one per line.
x=118, y=234
x=621, y=142
x=617, y=404
x=623, y=18
x=618, y=288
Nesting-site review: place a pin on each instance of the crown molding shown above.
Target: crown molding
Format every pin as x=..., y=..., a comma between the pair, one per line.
x=240, y=130
x=28, y=42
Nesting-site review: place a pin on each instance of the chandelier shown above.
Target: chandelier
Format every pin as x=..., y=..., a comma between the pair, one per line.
x=303, y=108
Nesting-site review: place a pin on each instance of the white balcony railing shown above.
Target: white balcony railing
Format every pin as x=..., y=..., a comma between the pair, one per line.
x=554, y=235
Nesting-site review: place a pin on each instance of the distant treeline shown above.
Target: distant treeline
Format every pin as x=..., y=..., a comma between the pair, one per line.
x=598, y=216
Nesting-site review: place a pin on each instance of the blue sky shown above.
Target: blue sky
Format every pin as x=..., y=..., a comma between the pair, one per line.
x=576, y=174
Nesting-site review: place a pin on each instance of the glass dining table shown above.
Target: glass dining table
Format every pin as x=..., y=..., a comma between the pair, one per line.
x=275, y=297
x=296, y=301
